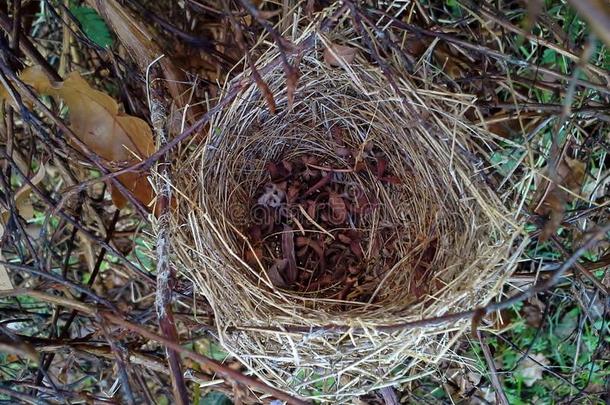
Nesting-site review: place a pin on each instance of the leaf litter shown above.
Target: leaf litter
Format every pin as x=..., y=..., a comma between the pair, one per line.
x=308, y=226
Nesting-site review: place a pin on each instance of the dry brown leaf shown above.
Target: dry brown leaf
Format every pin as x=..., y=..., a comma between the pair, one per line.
x=551, y=198
x=336, y=55
x=507, y=126
x=452, y=64
x=531, y=368
x=292, y=80
x=338, y=209
x=291, y=273
x=275, y=273
x=96, y=120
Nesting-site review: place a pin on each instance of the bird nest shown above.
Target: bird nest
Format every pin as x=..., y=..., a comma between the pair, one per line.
x=316, y=231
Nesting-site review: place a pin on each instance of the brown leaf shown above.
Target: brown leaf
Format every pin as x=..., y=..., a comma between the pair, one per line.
x=356, y=249
x=551, y=198
x=382, y=164
x=292, y=80
x=97, y=122
x=451, y=63
x=315, y=245
x=288, y=252
x=344, y=238
x=138, y=185
x=338, y=207
x=321, y=183
x=254, y=256
x=507, y=124
x=263, y=87
x=336, y=55
x=273, y=170
x=294, y=190
x=275, y=273
x=415, y=44
x=255, y=233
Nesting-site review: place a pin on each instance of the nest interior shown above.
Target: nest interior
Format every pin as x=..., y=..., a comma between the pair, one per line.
x=436, y=241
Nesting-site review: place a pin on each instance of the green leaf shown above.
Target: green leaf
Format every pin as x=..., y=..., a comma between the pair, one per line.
x=215, y=398
x=93, y=25
x=504, y=160
x=211, y=349
x=549, y=57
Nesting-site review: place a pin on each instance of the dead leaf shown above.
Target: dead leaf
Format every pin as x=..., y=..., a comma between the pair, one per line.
x=451, y=63
x=337, y=55
x=338, y=208
x=531, y=368
x=288, y=251
x=292, y=80
x=23, y=202
x=97, y=122
x=463, y=381
x=275, y=273
x=551, y=198
x=532, y=315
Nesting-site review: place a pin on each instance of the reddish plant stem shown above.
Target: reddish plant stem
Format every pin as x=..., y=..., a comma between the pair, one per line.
x=493, y=373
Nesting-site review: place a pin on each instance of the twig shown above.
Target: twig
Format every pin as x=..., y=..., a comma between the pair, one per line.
x=29, y=49
x=23, y=397
x=492, y=53
x=389, y=396
x=581, y=268
x=121, y=364
x=46, y=362
x=557, y=150
x=54, y=299
x=16, y=31
x=491, y=14
x=87, y=152
x=232, y=92
x=493, y=374
x=211, y=365
x=62, y=281
x=56, y=208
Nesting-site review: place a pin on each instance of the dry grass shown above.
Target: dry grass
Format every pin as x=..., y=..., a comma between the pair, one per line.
x=304, y=341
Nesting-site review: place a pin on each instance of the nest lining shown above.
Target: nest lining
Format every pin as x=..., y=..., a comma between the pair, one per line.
x=440, y=198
